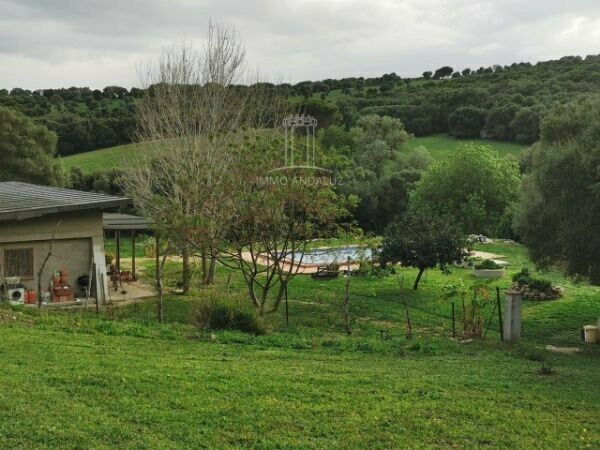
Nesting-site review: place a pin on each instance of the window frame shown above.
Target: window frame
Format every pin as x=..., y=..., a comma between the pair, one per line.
x=27, y=276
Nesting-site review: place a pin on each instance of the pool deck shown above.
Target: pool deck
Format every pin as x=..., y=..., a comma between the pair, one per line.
x=304, y=268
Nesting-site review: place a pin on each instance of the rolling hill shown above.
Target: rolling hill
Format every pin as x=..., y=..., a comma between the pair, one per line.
x=440, y=146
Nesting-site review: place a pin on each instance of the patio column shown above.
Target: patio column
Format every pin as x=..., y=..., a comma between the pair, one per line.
x=118, y=248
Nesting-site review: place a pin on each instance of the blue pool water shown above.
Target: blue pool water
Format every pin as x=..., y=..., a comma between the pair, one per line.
x=337, y=255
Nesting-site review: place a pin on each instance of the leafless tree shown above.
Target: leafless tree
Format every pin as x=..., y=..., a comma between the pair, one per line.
x=197, y=110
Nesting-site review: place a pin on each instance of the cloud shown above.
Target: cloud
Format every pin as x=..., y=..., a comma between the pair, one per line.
x=52, y=43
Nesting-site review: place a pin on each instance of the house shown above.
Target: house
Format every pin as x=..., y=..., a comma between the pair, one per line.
x=58, y=232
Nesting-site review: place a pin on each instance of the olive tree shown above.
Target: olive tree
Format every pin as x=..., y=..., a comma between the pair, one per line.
x=28, y=151
x=422, y=241
x=558, y=217
x=474, y=190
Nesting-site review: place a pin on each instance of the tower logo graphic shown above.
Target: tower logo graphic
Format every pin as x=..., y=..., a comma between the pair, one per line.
x=300, y=144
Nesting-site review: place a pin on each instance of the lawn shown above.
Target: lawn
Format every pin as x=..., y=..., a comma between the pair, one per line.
x=442, y=146
x=73, y=380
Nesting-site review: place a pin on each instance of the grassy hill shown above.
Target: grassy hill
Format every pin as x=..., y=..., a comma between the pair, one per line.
x=440, y=146
x=70, y=379
x=104, y=159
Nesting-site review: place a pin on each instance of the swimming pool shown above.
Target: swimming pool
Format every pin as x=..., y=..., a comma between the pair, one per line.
x=339, y=255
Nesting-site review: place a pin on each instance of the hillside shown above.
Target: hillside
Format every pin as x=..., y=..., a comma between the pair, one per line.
x=440, y=147
x=502, y=102
x=100, y=160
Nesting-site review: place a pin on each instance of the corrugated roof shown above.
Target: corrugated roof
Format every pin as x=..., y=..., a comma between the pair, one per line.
x=22, y=200
x=116, y=221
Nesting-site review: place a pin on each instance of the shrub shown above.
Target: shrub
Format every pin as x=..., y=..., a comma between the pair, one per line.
x=227, y=315
x=487, y=264
x=524, y=278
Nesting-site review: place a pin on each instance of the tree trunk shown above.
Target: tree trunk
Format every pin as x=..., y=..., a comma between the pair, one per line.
x=421, y=271
x=252, y=294
x=212, y=269
x=204, y=268
x=160, y=303
x=187, y=269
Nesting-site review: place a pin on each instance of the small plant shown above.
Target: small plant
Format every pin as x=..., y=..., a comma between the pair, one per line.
x=488, y=264
x=227, y=315
x=546, y=367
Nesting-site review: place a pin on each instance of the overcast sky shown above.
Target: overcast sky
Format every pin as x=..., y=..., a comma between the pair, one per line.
x=61, y=43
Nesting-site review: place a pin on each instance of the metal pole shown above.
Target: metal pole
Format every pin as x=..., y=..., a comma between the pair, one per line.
x=499, y=314
x=287, y=311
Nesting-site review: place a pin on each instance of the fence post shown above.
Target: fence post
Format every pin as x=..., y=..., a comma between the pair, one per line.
x=512, y=318
x=453, y=322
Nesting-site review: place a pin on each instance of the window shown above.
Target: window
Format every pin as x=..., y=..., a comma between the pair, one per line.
x=18, y=262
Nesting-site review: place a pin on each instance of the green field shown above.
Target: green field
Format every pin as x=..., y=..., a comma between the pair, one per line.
x=440, y=147
x=104, y=159
x=120, y=380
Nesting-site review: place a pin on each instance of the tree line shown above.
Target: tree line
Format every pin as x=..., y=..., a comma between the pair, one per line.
x=498, y=102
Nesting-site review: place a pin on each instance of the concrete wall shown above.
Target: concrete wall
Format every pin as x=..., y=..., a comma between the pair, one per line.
x=79, y=238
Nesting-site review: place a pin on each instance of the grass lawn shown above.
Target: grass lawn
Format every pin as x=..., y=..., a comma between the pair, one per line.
x=441, y=146
x=75, y=380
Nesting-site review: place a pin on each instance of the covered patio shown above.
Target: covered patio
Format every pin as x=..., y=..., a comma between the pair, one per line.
x=123, y=284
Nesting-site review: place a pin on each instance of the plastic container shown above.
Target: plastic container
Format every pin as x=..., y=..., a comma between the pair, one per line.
x=30, y=296
x=590, y=333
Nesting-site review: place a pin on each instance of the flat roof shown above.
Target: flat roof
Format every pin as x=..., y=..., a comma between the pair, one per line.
x=116, y=221
x=19, y=201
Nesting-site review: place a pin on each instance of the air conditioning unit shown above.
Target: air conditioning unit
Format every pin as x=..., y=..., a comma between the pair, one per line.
x=16, y=295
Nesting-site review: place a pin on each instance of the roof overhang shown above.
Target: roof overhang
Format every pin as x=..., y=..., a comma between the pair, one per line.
x=116, y=221
x=54, y=209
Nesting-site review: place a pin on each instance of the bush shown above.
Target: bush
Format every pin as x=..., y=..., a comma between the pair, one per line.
x=227, y=315
x=487, y=264
x=524, y=278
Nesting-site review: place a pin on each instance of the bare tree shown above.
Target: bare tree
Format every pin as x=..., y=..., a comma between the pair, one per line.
x=204, y=121
x=193, y=120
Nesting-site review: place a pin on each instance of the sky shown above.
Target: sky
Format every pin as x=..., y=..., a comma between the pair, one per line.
x=94, y=43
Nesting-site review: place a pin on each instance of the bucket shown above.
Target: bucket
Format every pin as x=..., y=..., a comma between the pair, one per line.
x=30, y=296
x=590, y=333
